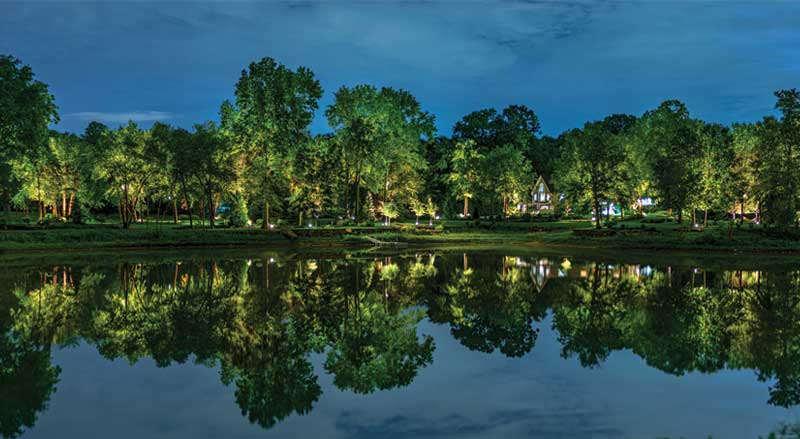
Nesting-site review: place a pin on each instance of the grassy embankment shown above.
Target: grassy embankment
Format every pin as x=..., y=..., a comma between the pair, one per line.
x=652, y=233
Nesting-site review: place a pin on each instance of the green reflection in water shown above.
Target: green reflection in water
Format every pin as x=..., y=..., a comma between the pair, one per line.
x=260, y=320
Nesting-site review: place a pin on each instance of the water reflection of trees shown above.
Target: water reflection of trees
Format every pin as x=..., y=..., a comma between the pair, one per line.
x=261, y=321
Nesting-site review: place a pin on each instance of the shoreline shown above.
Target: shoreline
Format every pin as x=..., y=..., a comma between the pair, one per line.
x=104, y=239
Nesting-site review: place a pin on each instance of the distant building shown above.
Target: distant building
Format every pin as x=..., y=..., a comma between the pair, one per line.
x=542, y=197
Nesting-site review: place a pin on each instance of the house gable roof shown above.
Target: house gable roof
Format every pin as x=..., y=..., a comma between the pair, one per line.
x=539, y=181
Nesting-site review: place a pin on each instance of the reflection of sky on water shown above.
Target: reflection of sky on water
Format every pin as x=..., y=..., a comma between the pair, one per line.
x=462, y=394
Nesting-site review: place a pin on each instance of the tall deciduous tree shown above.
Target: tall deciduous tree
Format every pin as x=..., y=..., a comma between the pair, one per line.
x=672, y=149
x=381, y=133
x=716, y=164
x=780, y=146
x=516, y=125
x=592, y=161
x=746, y=167
x=124, y=166
x=26, y=108
x=508, y=174
x=273, y=109
x=464, y=177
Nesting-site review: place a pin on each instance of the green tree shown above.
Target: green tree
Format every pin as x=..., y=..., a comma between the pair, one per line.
x=26, y=108
x=669, y=138
x=430, y=209
x=124, y=166
x=390, y=211
x=314, y=177
x=781, y=148
x=716, y=165
x=464, y=177
x=516, y=125
x=273, y=109
x=508, y=174
x=592, y=162
x=746, y=167
x=214, y=163
x=381, y=133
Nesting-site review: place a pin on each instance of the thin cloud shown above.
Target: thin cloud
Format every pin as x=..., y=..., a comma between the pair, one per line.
x=132, y=116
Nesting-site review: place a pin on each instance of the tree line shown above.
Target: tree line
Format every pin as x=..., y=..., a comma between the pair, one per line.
x=383, y=159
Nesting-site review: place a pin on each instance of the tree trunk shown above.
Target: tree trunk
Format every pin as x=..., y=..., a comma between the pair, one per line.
x=358, y=196
x=705, y=218
x=466, y=206
x=125, y=212
x=758, y=213
x=211, y=209
x=694, y=216
x=596, y=213
x=70, y=204
x=174, y=210
x=741, y=211
x=680, y=216
x=63, y=204
x=76, y=214
x=191, y=220
x=202, y=212
x=265, y=225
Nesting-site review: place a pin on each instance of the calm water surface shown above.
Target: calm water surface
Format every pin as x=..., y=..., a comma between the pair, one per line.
x=424, y=345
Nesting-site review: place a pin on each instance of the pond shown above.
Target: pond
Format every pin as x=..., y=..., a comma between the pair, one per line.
x=423, y=344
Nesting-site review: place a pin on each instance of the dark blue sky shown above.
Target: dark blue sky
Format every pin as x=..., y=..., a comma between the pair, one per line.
x=569, y=61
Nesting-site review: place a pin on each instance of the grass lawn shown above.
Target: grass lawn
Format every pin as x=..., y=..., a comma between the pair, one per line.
x=653, y=233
